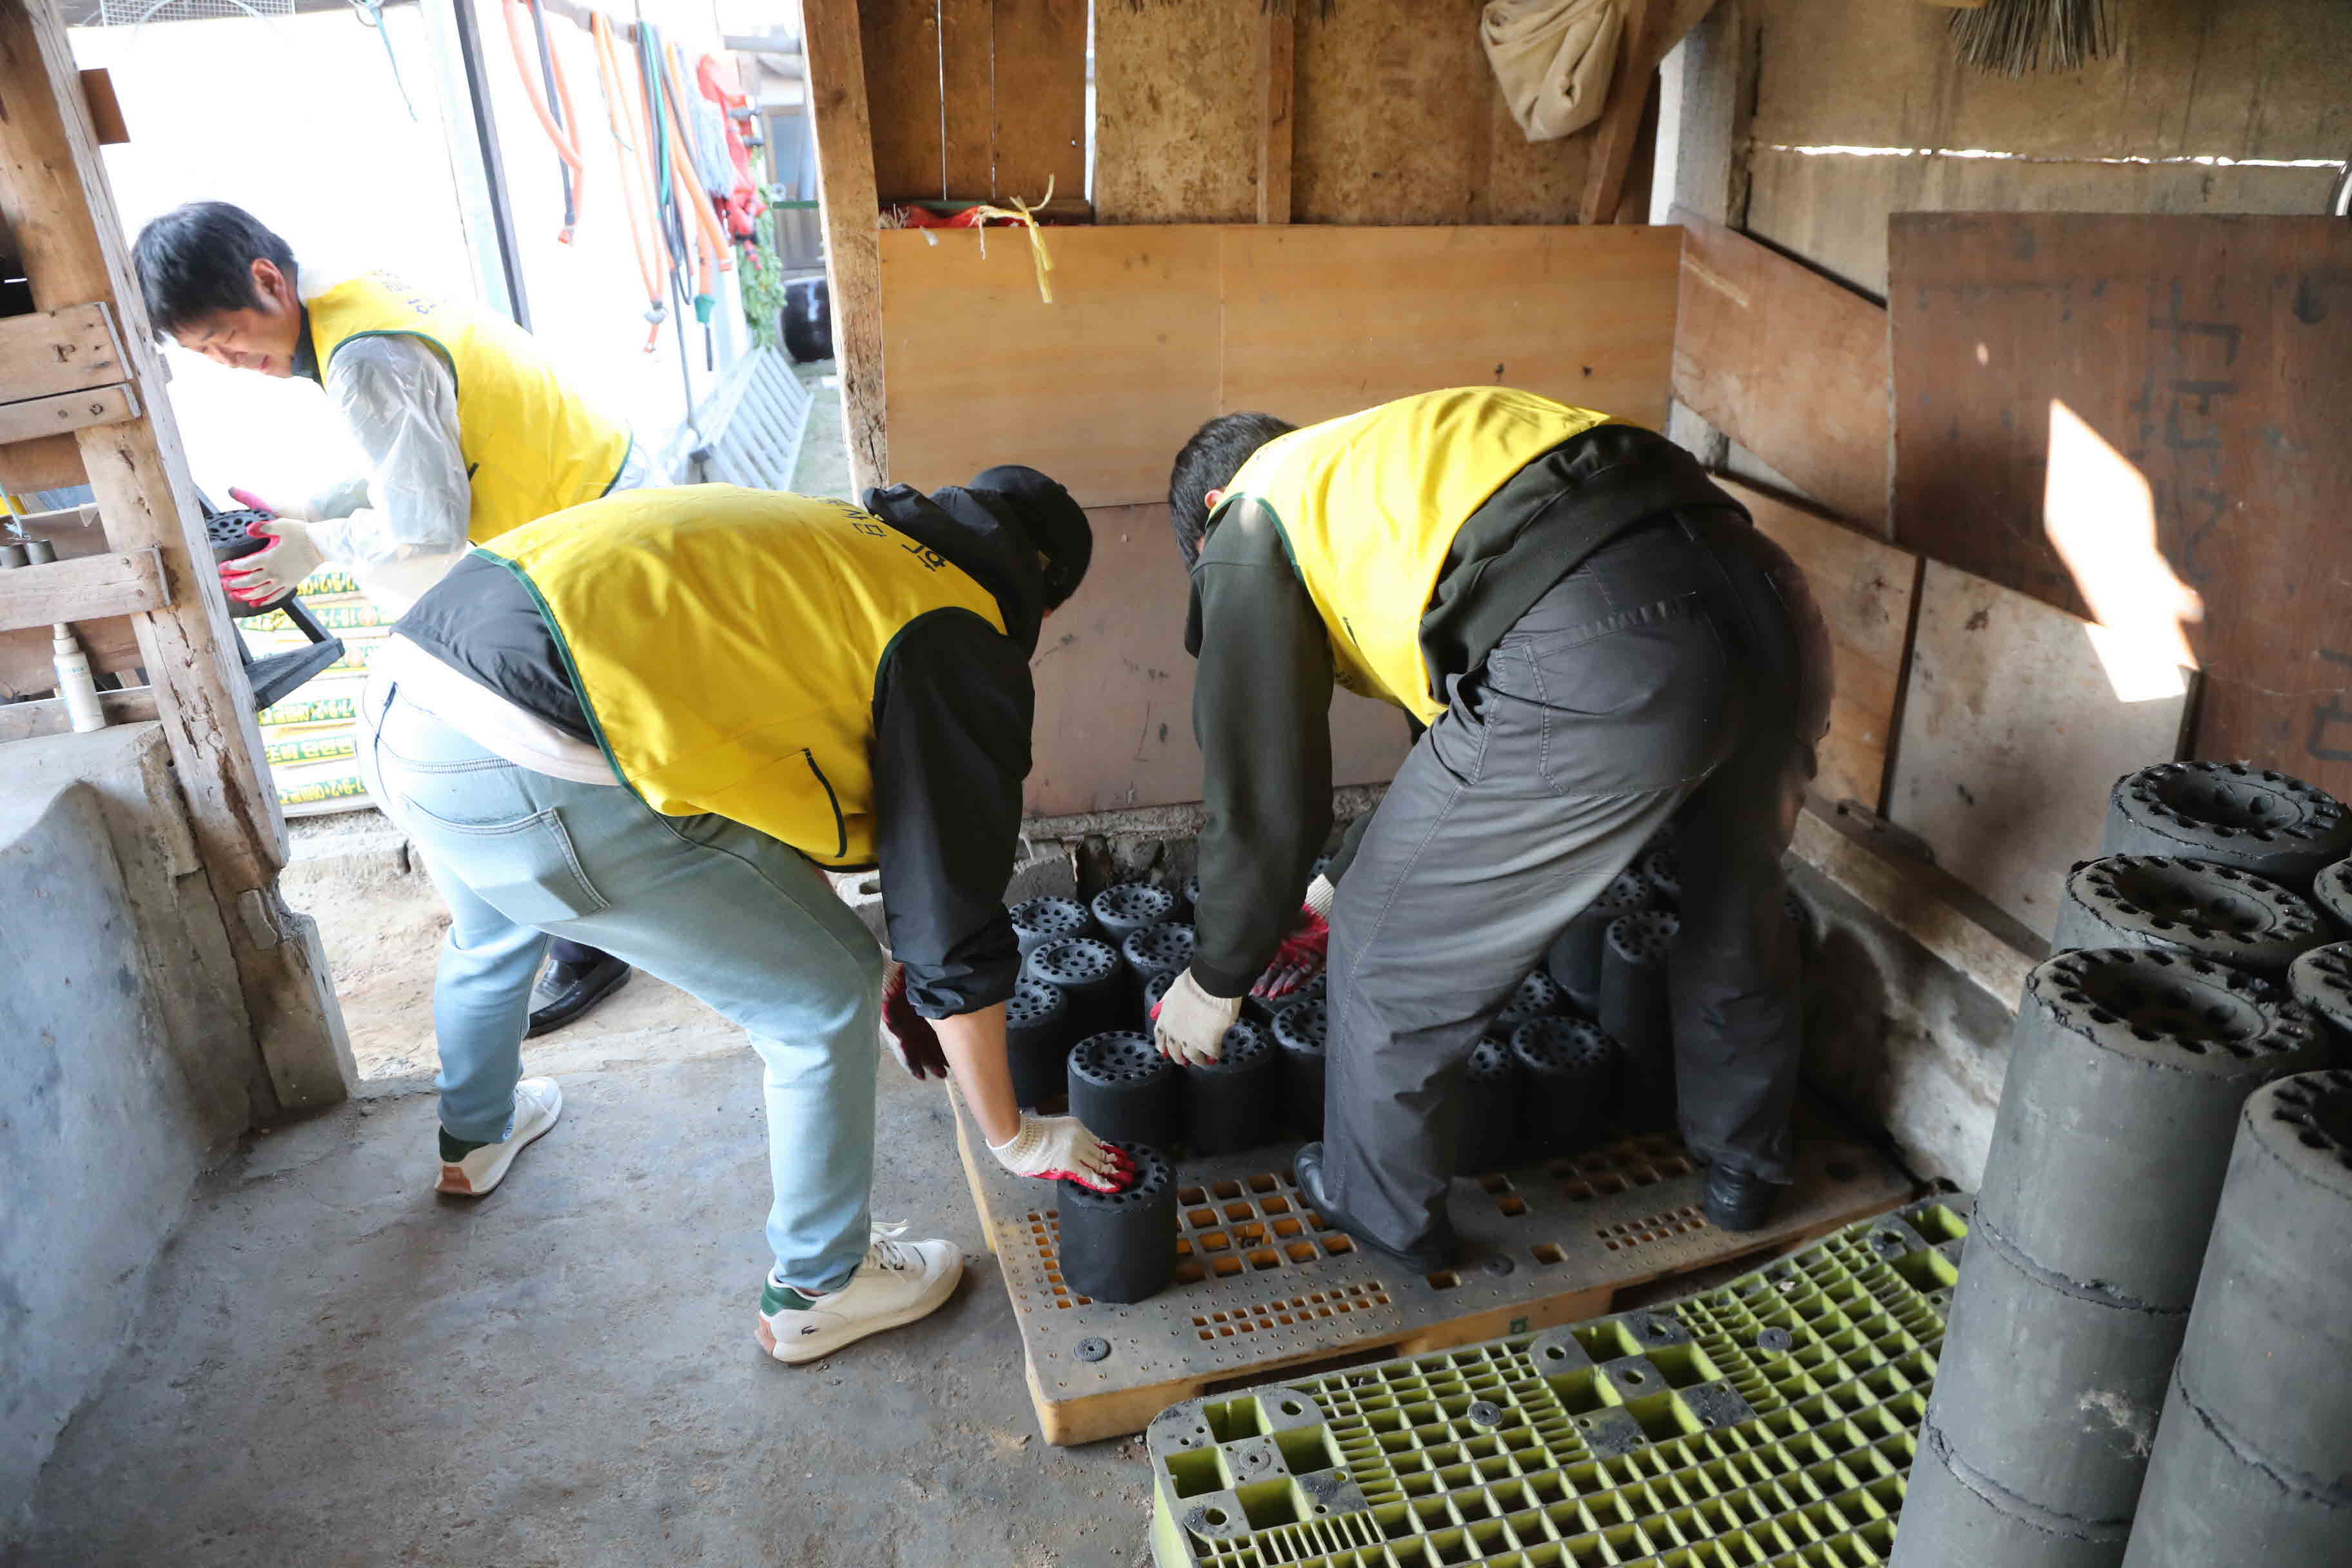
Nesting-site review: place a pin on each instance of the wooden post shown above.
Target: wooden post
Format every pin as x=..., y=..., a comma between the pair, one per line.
x=54, y=195
x=845, y=196
x=1277, y=77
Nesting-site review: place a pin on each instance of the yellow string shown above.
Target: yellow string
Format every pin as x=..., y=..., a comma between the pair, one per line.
x=1024, y=216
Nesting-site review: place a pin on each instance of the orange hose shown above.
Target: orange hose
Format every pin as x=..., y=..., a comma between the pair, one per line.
x=637, y=198
x=706, y=220
x=567, y=147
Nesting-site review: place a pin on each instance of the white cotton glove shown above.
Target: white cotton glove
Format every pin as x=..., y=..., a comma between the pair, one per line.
x=272, y=573
x=1189, y=1024
x=1059, y=1148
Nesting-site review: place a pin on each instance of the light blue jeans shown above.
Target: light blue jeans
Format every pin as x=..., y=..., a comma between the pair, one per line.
x=705, y=903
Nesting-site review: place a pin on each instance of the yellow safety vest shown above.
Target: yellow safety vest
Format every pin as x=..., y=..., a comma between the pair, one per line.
x=725, y=643
x=532, y=445
x=1370, y=504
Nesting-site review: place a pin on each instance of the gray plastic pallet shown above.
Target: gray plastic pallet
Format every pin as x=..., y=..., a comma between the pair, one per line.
x=1770, y=1421
x=1263, y=1284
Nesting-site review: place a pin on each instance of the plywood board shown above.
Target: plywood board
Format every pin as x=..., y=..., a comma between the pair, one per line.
x=1865, y=588
x=1175, y=118
x=1323, y=321
x=2189, y=78
x=1153, y=330
x=1099, y=389
x=967, y=97
x=2012, y=735
x=1393, y=105
x=1788, y=363
x=1114, y=723
x=2214, y=354
x=1041, y=97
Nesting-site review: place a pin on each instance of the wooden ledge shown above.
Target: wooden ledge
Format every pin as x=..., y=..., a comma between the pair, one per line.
x=87, y=589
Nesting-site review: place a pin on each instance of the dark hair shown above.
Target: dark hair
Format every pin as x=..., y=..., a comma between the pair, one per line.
x=1052, y=519
x=1209, y=462
x=197, y=260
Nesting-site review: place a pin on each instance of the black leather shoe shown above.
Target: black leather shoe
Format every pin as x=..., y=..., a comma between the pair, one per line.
x=1736, y=1200
x=1428, y=1258
x=566, y=991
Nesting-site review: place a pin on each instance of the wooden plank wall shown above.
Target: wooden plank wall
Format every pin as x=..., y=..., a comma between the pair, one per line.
x=1397, y=118
x=1788, y=363
x=976, y=100
x=1866, y=592
x=1155, y=329
x=2262, y=80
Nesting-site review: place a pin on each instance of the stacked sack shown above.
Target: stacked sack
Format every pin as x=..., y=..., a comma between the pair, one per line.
x=311, y=739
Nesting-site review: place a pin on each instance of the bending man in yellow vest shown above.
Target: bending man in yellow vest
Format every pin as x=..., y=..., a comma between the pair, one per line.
x=468, y=429
x=649, y=722
x=1594, y=645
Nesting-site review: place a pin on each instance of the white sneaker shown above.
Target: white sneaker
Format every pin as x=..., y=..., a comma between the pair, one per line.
x=899, y=1282
x=537, y=1103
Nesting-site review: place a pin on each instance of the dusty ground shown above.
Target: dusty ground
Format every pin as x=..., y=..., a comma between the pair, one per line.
x=338, y=1368
x=382, y=923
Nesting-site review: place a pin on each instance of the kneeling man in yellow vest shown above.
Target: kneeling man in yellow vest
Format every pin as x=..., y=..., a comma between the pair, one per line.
x=467, y=428
x=653, y=723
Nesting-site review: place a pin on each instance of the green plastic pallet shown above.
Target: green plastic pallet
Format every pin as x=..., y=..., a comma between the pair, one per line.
x=1769, y=1421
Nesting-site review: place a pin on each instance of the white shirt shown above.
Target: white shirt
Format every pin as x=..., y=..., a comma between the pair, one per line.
x=481, y=714
x=403, y=525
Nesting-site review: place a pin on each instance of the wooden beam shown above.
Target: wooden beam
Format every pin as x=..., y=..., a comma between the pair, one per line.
x=1653, y=27
x=84, y=590
x=1277, y=84
x=55, y=197
x=853, y=252
x=68, y=411
x=31, y=721
x=51, y=352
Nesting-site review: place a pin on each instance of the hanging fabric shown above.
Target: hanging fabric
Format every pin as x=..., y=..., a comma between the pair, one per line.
x=1553, y=59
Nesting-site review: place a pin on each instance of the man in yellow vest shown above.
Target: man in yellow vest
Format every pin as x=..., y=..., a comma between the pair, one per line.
x=652, y=722
x=467, y=428
x=1593, y=644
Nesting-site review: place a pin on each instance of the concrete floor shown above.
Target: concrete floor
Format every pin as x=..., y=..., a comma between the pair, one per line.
x=338, y=1368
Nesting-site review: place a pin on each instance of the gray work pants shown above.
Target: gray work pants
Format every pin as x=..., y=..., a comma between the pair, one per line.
x=1681, y=673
